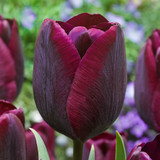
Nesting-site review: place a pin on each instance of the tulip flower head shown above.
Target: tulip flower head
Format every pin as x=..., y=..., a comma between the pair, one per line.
x=147, y=84
x=79, y=77
x=12, y=135
x=148, y=151
x=11, y=60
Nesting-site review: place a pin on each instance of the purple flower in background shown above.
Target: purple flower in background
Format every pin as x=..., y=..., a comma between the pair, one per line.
x=76, y=4
x=115, y=18
x=134, y=32
x=28, y=18
x=133, y=122
x=130, y=66
x=129, y=96
x=67, y=10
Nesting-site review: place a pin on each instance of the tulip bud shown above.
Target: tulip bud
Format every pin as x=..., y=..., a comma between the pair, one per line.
x=147, y=84
x=12, y=135
x=79, y=77
x=47, y=135
x=11, y=60
x=104, y=145
x=148, y=151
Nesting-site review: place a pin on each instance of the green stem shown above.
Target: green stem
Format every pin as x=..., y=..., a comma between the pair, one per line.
x=77, y=150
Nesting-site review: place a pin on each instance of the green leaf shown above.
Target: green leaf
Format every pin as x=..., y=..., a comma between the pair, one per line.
x=92, y=153
x=120, y=148
x=42, y=151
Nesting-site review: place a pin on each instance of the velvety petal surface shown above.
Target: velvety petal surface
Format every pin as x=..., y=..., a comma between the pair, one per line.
x=157, y=59
x=8, y=86
x=87, y=20
x=12, y=138
x=146, y=83
x=16, y=52
x=55, y=63
x=97, y=91
x=66, y=26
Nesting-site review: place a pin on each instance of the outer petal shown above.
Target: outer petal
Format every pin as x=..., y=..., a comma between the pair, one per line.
x=66, y=26
x=7, y=74
x=55, y=62
x=15, y=47
x=12, y=138
x=146, y=83
x=98, y=89
x=6, y=107
x=87, y=20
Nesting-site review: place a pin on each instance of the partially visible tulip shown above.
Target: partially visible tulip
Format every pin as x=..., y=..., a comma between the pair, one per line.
x=47, y=134
x=147, y=82
x=79, y=78
x=104, y=144
x=11, y=60
x=148, y=151
x=12, y=134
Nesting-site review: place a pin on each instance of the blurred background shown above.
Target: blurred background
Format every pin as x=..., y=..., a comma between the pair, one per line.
x=138, y=19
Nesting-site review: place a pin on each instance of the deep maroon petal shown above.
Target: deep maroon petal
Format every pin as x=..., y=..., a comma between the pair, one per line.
x=152, y=148
x=15, y=48
x=146, y=83
x=104, y=26
x=66, y=26
x=6, y=107
x=7, y=74
x=12, y=138
x=55, y=62
x=95, y=33
x=141, y=156
x=87, y=20
x=97, y=91
x=157, y=59
x=81, y=39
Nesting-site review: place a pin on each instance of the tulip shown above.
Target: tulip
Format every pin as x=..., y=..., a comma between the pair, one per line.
x=104, y=145
x=12, y=135
x=11, y=60
x=79, y=77
x=47, y=135
x=148, y=151
x=147, y=84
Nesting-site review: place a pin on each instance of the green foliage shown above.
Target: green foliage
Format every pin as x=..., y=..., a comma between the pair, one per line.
x=42, y=151
x=120, y=148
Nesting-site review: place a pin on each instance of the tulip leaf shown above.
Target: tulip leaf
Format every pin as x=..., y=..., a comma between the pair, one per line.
x=92, y=153
x=42, y=151
x=120, y=148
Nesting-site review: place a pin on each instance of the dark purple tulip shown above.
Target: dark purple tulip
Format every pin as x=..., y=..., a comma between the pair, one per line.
x=104, y=144
x=147, y=82
x=11, y=60
x=47, y=134
x=12, y=134
x=79, y=78
x=148, y=151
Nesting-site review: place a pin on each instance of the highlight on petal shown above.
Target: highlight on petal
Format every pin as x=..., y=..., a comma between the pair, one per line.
x=87, y=20
x=55, y=63
x=98, y=89
x=8, y=87
x=16, y=52
x=12, y=138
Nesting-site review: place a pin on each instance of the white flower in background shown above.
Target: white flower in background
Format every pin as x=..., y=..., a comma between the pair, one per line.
x=62, y=141
x=35, y=116
x=115, y=18
x=69, y=152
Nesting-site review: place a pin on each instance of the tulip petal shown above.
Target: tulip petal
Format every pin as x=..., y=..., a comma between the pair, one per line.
x=152, y=148
x=7, y=74
x=87, y=20
x=96, y=95
x=95, y=33
x=66, y=26
x=12, y=138
x=55, y=63
x=104, y=26
x=17, y=54
x=81, y=39
x=146, y=83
